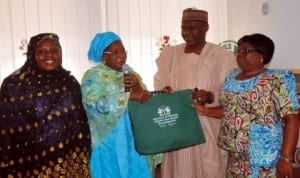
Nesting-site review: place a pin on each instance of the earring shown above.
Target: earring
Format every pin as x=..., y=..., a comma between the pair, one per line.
x=262, y=60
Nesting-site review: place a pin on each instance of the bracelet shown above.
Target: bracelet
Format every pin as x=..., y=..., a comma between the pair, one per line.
x=156, y=92
x=286, y=159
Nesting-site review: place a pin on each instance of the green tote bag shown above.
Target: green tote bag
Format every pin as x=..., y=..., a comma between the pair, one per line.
x=165, y=122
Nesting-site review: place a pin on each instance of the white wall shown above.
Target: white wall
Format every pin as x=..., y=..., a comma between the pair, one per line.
x=281, y=23
x=75, y=21
x=140, y=23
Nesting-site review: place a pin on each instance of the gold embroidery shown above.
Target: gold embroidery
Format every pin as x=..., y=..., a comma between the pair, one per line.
x=36, y=157
x=36, y=124
x=52, y=149
x=44, y=153
x=11, y=131
x=22, y=76
x=12, y=99
x=22, y=98
x=3, y=165
x=39, y=94
x=11, y=162
x=49, y=117
x=28, y=127
x=57, y=113
x=60, y=160
x=20, y=129
x=80, y=136
x=60, y=145
x=21, y=161
x=3, y=132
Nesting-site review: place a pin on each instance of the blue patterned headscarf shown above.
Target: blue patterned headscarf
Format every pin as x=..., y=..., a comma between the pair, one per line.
x=100, y=42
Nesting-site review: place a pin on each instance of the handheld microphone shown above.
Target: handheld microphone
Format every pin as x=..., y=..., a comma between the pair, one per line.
x=126, y=69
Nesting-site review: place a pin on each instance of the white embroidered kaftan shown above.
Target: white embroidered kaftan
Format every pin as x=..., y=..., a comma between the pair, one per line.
x=187, y=71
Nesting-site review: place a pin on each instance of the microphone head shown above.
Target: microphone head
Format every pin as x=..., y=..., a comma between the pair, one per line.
x=126, y=68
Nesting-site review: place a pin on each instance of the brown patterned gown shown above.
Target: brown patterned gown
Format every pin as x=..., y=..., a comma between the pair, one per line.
x=43, y=126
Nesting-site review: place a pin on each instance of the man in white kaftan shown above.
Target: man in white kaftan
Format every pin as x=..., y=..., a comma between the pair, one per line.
x=187, y=66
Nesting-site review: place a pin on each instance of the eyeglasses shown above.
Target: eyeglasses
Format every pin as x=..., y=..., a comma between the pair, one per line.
x=245, y=51
x=116, y=53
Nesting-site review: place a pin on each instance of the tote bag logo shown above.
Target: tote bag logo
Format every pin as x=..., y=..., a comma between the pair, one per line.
x=164, y=110
x=165, y=118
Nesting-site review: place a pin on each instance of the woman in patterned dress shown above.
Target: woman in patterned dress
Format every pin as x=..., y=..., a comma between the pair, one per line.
x=259, y=111
x=43, y=125
x=105, y=100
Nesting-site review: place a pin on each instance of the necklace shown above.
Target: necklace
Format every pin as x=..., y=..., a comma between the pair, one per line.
x=254, y=72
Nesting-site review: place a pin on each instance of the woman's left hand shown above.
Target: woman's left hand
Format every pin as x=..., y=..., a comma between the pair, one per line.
x=131, y=82
x=290, y=138
x=136, y=91
x=200, y=108
x=141, y=95
x=284, y=169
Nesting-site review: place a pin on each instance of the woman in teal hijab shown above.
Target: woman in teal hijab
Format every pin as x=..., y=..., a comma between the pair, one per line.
x=105, y=100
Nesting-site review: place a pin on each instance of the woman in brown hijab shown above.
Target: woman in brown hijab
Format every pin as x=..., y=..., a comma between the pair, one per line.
x=43, y=126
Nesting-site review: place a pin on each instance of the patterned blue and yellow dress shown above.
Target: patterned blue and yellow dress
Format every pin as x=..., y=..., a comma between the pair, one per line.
x=252, y=129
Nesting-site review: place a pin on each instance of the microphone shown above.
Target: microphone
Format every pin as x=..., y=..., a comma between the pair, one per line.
x=126, y=69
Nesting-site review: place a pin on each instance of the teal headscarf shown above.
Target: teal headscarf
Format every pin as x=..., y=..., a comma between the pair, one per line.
x=100, y=42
